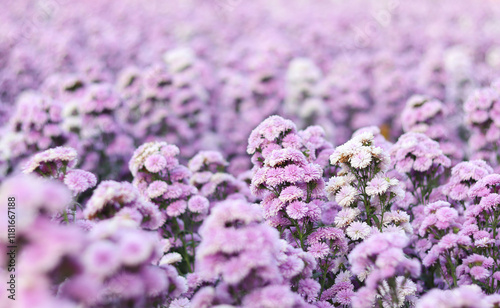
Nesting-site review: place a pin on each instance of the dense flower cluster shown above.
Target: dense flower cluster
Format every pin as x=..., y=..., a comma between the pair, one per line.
x=425, y=115
x=254, y=154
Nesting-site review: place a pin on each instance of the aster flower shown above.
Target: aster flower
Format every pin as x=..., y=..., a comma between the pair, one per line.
x=226, y=252
x=464, y=296
x=427, y=116
x=268, y=131
x=358, y=230
x=422, y=160
x=346, y=217
x=51, y=160
x=382, y=255
x=463, y=176
x=377, y=186
x=359, y=153
x=327, y=239
x=346, y=196
x=286, y=176
x=79, y=181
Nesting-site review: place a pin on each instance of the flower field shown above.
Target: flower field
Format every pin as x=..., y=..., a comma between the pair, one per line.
x=256, y=154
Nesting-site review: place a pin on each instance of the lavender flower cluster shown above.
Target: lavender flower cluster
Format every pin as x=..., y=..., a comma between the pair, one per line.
x=258, y=154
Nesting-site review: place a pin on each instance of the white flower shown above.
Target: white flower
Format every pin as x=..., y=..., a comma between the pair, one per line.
x=358, y=230
x=364, y=138
x=404, y=287
x=336, y=183
x=170, y=258
x=346, y=216
x=346, y=196
x=361, y=159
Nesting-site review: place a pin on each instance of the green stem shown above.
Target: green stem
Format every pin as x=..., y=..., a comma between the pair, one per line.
x=184, y=252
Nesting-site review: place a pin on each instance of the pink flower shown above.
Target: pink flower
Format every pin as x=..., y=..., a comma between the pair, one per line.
x=346, y=196
x=309, y=289
x=358, y=230
x=296, y=210
x=377, y=186
x=198, y=204
x=156, y=189
x=176, y=208
x=155, y=163
x=291, y=193
x=293, y=174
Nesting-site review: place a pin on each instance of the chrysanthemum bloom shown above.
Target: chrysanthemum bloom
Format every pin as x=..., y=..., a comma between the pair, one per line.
x=415, y=152
x=333, y=238
x=359, y=153
x=111, y=198
x=239, y=248
x=483, y=117
x=427, y=116
x=438, y=215
x=79, y=181
x=476, y=267
x=463, y=176
x=422, y=160
x=362, y=180
x=33, y=125
x=405, y=291
x=126, y=256
x=485, y=186
x=52, y=162
x=382, y=255
x=285, y=176
x=346, y=216
x=464, y=296
x=210, y=177
x=166, y=183
x=358, y=230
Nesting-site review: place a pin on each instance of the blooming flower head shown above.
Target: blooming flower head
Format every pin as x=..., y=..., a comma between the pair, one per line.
x=485, y=186
x=347, y=196
x=210, y=160
x=377, y=186
x=358, y=230
x=463, y=296
x=346, y=216
x=234, y=227
x=359, y=153
x=417, y=152
x=268, y=131
x=463, y=176
x=79, y=180
x=153, y=155
x=422, y=115
x=51, y=160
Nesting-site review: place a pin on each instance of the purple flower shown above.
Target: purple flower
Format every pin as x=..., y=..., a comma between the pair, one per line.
x=296, y=210
x=236, y=245
x=309, y=289
x=176, y=208
x=269, y=130
x=358, y=230
x=51, y=159
x=79, y=180
x=198, y=204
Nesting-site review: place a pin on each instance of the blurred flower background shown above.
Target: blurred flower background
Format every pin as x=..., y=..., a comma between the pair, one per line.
x=138, y=136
